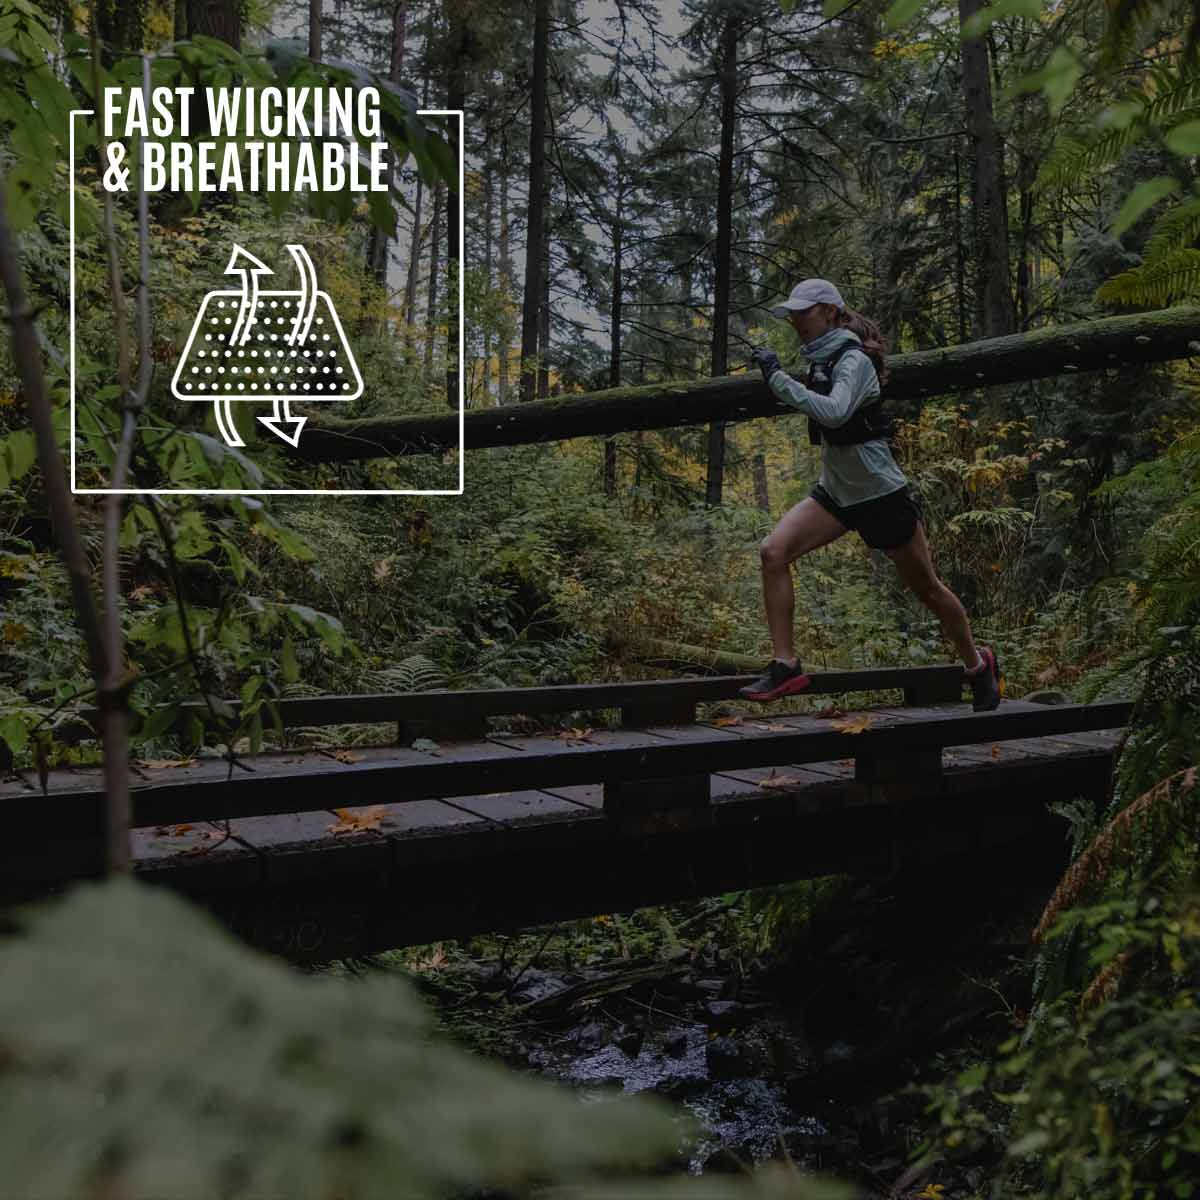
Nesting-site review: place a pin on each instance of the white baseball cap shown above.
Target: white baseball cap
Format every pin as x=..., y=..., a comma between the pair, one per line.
x=807, y=293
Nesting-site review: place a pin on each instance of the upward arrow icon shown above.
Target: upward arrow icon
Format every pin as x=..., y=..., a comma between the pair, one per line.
x=243, y=263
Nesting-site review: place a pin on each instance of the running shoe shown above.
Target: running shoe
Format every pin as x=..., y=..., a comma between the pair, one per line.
x=777, y=680
x=985, y=683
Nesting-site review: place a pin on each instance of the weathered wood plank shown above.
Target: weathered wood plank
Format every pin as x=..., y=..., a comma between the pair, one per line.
x=820, y=824
x=194, y=856
x=300, y=846
x=295, y=783
x=470, y=705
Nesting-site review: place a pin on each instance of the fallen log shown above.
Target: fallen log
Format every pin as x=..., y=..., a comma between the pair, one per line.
x=1065, y=349
x=678, y=656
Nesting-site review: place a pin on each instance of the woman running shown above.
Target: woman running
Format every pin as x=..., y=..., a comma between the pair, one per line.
x=860, y=488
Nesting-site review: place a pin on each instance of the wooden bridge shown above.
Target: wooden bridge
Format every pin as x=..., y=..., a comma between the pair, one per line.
x=460, y=828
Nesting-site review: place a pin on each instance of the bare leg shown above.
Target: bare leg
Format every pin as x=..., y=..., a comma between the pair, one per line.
x=805, y=527
x=916, y=570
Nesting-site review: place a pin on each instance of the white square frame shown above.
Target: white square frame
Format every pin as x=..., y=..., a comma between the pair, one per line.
x=462, y=337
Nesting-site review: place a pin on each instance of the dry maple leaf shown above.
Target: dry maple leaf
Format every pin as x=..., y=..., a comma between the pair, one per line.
x=853, y=725
x=779, y=781
x=721, y=722
x=995, y=749
x=344, y=756
x=575, y=735
x=160, y=763
x=770, y=727
x=358, y=822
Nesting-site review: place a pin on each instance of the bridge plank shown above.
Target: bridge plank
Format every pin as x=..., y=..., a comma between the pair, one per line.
x=426, y=834
x=508, y=809
x=298, y=846
x=200, y=856
x=299, y=782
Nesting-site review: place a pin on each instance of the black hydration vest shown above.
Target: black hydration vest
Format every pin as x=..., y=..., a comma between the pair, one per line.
x=869, y=422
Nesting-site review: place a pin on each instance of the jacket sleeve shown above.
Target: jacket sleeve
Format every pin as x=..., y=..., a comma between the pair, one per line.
x=854, y=382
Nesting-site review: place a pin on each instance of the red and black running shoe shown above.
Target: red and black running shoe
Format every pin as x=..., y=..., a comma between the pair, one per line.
x=777, y=680
x=986, y=688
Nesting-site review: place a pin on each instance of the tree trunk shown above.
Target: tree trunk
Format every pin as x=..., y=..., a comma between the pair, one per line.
x=762, y=494
x=1086, y=346
x=221, y=19
x=121, y=24
x=960, y=283
x=399, y=35
x=489, y=189
x=614, y=357
x=715, y=481
x=435, y=239
x=377, y=253
x=993, y=299
x=181, y=24
x=543, y=370
x=505, y=283
x=456, y=98
x=314, y=30
x=414, y=261
x=535, y=222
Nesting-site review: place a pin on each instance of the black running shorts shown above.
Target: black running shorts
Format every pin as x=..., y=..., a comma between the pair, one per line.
x=884, y=523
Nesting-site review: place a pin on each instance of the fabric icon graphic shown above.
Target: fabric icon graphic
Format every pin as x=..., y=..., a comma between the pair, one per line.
x=270, y=346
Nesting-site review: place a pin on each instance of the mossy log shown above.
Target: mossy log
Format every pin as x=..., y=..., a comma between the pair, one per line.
x=677, y=656
x=1087, y=346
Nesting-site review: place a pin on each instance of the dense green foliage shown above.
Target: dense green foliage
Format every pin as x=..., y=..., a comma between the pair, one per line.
x=1065, y=513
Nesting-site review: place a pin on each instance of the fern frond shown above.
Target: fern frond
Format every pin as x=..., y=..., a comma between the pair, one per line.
x=1120, y=31
x=1175, y=229
x=1174, y=94
x=1155, y=283
x=416, y=673
x=1074, y=155
x=1112, y=846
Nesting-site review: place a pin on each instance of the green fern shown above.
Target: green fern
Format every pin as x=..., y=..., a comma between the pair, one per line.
x=1175, y=229
x=1155, y=283
x=1120, y=32
x=416, y=673
x=1174, y=97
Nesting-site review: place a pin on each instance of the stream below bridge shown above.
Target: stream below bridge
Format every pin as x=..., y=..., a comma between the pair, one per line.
x=807, y=1055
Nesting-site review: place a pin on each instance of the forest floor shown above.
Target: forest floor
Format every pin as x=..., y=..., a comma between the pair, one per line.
x=813, y=1050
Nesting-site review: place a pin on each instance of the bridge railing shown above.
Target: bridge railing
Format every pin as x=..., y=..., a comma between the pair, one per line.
x=639, y=770
x=463, y=713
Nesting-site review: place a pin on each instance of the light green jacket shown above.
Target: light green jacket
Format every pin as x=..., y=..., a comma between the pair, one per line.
x=850, y=474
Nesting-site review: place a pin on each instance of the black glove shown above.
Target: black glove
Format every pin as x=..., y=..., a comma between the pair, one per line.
x=767, y=360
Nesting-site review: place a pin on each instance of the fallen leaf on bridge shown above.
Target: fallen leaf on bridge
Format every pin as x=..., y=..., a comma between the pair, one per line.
x=779, y=781
x=721, y=722
x=344, y=756
x=853, y=725
x=575, y=735
x=358, y=822
x=167, y=762
x=829, y=711
x=772, y=728
x=995, y=749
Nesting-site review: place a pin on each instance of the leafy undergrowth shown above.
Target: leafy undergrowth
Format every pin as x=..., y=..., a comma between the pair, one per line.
x=146, y=1054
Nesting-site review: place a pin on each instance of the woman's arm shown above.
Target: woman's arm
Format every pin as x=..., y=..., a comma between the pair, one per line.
x=854, y=382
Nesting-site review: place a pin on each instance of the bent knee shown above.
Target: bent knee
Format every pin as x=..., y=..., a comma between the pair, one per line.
x=932, y=592
x=773, y=553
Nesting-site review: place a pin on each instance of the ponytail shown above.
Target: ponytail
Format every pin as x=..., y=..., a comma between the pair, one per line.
x=872, y=340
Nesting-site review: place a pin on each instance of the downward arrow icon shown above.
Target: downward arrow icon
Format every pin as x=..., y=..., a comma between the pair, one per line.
x=280, y=419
